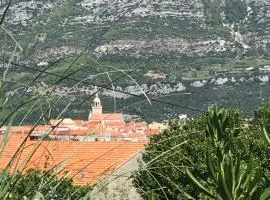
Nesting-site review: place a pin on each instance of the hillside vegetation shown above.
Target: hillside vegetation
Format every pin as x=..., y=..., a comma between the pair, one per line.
x=200, y=46
x=215, y=156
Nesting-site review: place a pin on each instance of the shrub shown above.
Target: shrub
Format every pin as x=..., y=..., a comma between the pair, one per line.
x=168, y=156
x=35, y=184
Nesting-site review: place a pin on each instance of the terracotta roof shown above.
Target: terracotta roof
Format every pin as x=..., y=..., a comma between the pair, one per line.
x=146, y=131
x=80, y=122
x=85, y=162
x=67, y=131
x=127, y=129
x=80, y=132
x=114, y=124
x=113, y=132
x=94, y=127
x=131, y=123
x=107, y=117
x=25, y=129
x=93, y=124
x=19, y=129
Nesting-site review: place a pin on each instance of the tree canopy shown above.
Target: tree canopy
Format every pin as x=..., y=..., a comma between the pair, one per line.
x=180, y=155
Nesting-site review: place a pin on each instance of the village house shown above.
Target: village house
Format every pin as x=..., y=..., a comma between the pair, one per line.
x=87, y=150
x=99, y=127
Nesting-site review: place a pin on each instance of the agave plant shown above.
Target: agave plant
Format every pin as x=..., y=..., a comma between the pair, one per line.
x=230, y=177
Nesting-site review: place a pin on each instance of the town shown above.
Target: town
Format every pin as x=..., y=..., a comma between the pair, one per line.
x=135, y=100
x=93, y=149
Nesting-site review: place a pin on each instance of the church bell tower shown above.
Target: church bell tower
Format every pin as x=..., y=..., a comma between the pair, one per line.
x=96, y=107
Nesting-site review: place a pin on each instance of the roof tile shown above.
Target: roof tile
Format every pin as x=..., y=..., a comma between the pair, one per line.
x=86, y=161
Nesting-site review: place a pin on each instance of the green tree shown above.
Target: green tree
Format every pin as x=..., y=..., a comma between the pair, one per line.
x=212, y=12
x=235, y=10
x=262, y=115
x=230, y=177
x=169, y=155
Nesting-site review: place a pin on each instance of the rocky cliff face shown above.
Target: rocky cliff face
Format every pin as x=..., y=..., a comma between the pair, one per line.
x=169, y=28
x=204, y=46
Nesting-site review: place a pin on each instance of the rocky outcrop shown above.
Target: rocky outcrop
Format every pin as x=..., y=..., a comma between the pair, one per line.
x=177, y=28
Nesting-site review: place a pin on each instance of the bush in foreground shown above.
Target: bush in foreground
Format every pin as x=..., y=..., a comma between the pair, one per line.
x=188, y=162
x=35, y=184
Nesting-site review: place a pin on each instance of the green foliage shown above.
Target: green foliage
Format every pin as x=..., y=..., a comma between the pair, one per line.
x=35, y=184
x=212, y=11
x=230, y=177
x=166, y=175
x=222, y=159
x=235, y=10
x=65, y=10
x=262, y=115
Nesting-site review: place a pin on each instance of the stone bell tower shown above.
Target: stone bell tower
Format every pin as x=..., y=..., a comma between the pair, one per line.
x=96, y=107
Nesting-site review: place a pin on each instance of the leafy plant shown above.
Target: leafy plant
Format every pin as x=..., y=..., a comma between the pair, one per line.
x=262, y=116
x=222, y=159
x=35, y=184
x=230, y=177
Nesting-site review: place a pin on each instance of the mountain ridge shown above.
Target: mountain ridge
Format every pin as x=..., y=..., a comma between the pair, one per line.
x=199, y=46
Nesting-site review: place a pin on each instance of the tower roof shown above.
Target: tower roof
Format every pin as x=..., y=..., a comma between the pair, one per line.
x=96, y=100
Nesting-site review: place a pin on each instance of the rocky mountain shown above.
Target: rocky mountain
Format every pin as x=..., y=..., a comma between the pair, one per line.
x=215, y=51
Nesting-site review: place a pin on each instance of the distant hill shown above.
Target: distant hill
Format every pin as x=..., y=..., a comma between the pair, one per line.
x=213, y=49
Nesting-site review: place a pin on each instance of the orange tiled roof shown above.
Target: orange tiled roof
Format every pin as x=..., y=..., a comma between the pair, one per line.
x=24, y=129
x=19, y=129
x=107, y=117
x=146, y=131
x=127, y=129
x=86, y=162
x=114, y=124
x=93, y=124
x=78, y=132
x=94, y=127
x=136, y=135
x=81, y=132
x=80, y=122
x=131, y=123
